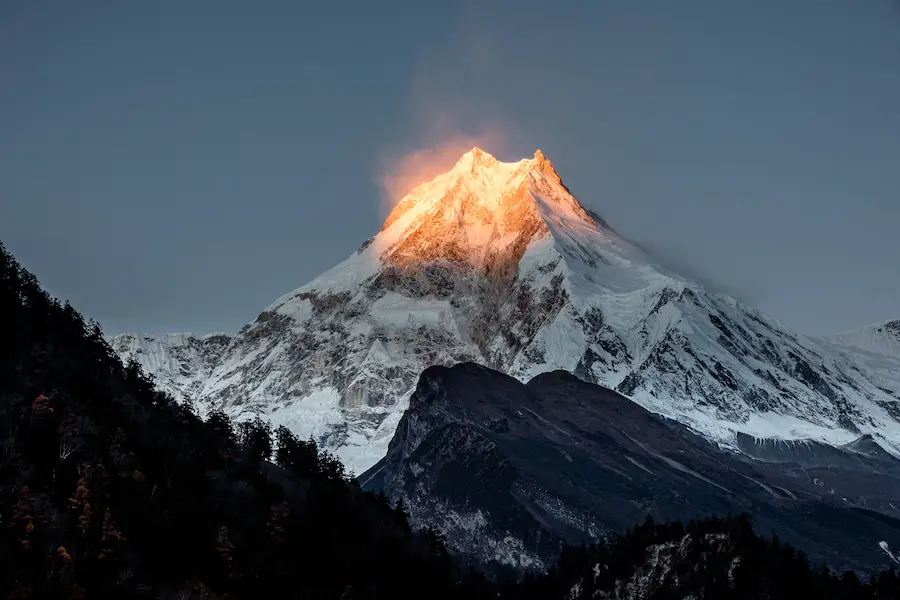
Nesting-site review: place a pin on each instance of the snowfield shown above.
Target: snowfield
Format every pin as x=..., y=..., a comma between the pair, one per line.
x=498, y=263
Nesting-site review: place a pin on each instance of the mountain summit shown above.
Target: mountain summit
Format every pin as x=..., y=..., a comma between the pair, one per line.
x=498, y=264
x=479, y=214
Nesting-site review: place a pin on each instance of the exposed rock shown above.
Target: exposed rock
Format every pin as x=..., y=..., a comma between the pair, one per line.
x=510, y=471
x=497, y=263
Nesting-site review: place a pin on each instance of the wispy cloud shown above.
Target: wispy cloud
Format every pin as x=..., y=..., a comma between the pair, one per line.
x=450, y=111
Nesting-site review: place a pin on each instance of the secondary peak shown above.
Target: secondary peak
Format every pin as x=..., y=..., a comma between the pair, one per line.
x=543, y=164
x=477, y=156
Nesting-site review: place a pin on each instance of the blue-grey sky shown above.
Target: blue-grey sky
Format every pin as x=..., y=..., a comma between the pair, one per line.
x=176, y=166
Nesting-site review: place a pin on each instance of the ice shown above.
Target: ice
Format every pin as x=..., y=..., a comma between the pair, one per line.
x=883, y=339
x=588, y=291
x=395, y=310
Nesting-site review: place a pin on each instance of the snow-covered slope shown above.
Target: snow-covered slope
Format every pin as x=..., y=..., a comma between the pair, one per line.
x=499, y=264
x=180, y=363
x=877, y=339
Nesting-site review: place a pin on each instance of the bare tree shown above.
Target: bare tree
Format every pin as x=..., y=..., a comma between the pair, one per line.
x=65, y=450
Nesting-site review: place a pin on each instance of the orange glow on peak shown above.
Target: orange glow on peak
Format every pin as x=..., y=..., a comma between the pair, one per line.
x=400, y=175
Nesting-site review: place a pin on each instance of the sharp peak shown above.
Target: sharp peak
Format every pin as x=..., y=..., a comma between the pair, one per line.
x=480, y=153
x=479, y=157
x=542, y=163
x=482, y=167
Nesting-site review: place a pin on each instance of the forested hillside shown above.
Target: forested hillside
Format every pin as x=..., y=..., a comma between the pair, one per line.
x=718, y=558
x=110, y=489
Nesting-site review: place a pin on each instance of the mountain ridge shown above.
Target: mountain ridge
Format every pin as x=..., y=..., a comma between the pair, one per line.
x=499, y=264
x=879, y=338
x=509, y=470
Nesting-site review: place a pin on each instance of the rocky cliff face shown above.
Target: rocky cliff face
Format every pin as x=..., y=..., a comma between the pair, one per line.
x=497, y=263
x=180, y=363
x=509, y=472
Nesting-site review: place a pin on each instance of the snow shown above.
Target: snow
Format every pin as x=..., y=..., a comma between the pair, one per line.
x=378, y=354
x=486, y=177
x=344, y=374
x=395, y=310
x=179, y=362
x=311, y=416
x=316, y=416
x=763, y=425
x=887, y=550
x=299, y=309
x=503, y=242
x=883, y=338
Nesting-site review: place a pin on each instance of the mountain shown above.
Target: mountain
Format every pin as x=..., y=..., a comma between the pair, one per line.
x=497, y=263
x=179, y=362
x=109, y=489
x=877, y=339
x=713, y=558
x=510, y=472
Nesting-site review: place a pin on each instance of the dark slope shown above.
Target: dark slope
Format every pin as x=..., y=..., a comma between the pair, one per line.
x=717, y=559
x=109, y=489
x=509, y=472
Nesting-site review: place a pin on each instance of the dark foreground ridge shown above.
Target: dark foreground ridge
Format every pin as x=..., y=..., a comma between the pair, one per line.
x=109, y=489
x=510, y=472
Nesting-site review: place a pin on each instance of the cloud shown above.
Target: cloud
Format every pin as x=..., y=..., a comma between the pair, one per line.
x=398, y=175
x=450, y=111
x=676, y=260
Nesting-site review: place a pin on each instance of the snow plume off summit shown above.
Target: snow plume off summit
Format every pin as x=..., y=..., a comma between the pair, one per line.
x=498, y=264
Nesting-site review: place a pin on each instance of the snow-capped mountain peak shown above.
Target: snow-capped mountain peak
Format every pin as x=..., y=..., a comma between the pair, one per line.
x=499, y=264
x=479, y=183
x=475, y=158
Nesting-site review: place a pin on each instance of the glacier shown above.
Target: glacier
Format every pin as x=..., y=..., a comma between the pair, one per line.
x=499, y=264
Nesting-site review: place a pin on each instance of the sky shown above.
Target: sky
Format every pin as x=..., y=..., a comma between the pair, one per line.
x=177, y=166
